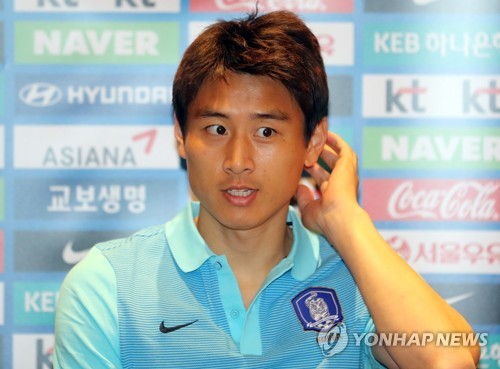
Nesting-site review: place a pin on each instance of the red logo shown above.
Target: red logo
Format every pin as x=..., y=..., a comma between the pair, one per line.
x=301, y=6
x=432, y=200
x=450, y=251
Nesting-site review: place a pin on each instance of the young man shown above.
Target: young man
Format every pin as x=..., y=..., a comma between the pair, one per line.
x=236, y=280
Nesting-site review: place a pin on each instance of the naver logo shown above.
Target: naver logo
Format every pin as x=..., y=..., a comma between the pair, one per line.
x=40, y=94
x=97, y=42
x=439, y=148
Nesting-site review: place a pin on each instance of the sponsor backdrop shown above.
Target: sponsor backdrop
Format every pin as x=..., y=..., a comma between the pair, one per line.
x=87, y=151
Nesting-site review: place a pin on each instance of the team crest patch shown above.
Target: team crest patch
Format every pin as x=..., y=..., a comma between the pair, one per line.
x=318, y=309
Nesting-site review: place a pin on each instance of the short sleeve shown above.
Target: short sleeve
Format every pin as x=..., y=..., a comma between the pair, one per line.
x=369, y=360
x=86, y=327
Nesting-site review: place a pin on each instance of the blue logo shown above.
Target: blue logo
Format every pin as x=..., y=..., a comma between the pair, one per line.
x=318, y=308
x=40, y=95
x=141, y=95
x=138, y=201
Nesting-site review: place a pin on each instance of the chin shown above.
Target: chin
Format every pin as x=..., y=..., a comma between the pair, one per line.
x=237, y=224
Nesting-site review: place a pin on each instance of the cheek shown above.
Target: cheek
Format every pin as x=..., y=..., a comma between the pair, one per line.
x=294, y=162
x=203, y=167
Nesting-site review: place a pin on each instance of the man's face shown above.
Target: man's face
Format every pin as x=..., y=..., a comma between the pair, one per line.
x=245, y=150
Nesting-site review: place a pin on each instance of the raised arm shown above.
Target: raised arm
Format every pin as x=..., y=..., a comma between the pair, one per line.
x=398, y=299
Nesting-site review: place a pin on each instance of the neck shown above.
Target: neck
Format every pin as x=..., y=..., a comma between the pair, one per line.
x=264, y=245
x=251, y=253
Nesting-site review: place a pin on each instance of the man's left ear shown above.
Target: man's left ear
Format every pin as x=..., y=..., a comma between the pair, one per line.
x=316, y=143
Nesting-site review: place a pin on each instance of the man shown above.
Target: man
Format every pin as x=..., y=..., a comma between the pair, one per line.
x=236, y=280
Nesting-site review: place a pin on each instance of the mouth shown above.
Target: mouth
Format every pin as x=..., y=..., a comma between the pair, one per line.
x=240, y=192
x=240, y=196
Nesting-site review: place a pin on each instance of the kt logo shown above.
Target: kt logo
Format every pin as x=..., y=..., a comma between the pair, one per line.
x=43, y=355
x=396, y=99
x=472, y=98
x=74, y=3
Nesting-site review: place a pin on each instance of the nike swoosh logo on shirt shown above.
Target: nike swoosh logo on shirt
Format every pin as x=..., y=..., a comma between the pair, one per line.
x=164, y=329
x=71, y=256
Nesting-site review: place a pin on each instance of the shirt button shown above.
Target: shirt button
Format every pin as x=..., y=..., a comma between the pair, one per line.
x=218, y=266
x=234, y=313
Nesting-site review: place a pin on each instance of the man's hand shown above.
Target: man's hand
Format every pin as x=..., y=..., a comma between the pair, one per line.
x=396, y=304
x=338, y=188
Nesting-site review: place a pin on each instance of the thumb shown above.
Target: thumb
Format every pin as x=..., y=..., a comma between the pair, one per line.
x=307, y=207
x=304, y=196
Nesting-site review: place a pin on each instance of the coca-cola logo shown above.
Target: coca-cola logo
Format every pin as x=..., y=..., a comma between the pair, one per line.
x=466, y=200
x=269, y=5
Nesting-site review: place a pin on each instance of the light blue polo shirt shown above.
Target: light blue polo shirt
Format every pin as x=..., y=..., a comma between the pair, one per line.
x=162, y=299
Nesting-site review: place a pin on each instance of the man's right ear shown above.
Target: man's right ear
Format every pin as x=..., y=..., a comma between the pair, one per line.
x=179, y=138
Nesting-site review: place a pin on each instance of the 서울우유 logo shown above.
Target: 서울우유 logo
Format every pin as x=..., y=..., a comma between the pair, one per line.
x=40, y=94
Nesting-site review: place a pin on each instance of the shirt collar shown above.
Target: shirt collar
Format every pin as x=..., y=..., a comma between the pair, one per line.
x=190, y=250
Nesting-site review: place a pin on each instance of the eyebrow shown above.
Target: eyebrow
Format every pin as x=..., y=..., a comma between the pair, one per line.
x=274, y=114
x=207, y=113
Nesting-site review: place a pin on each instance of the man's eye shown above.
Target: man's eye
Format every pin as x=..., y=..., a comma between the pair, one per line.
x=265, y=132
x=217, y=129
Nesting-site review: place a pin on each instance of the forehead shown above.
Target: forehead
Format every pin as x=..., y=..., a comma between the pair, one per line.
x=241, y=93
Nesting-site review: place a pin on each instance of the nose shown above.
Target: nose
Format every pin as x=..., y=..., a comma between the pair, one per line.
x=239, y=156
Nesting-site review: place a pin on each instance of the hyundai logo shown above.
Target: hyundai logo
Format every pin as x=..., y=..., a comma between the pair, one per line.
x=40, y=95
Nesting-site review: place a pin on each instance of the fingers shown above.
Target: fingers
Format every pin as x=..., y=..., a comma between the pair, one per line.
x=334, y=148
x=329, y=156
x=340, y=147
x=319, y=174
x=336, y=142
